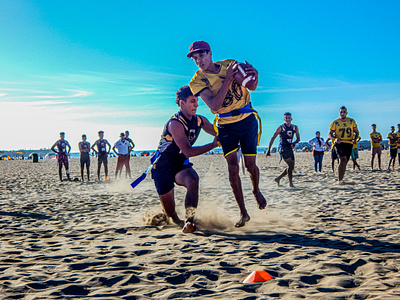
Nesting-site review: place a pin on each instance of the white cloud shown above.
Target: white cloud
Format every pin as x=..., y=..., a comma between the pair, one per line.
x=75, y=94
x=36, y=125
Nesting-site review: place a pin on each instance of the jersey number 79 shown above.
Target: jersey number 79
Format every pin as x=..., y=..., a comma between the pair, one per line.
x=347, y=130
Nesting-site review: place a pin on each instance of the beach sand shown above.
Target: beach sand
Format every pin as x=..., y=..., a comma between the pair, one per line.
x=319, y=240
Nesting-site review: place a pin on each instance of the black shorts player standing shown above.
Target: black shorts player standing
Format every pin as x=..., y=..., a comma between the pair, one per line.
x=286, y=131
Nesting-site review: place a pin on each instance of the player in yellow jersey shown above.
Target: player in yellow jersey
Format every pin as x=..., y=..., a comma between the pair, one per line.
x=237, y=125
x=376, y=148
x=392, y=146
x=398, y=141
x=344, y=132
x=354, y=154
x=331, y=146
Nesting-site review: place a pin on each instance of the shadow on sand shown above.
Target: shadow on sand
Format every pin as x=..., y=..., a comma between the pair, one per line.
x=359, y=243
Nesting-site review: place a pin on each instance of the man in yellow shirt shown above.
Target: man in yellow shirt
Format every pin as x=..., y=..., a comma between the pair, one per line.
x=392, y=146
x=354, y=154
x=376, y=148
x=334, y=156
x=398, y=141
x=344, y=132
x=215, y=83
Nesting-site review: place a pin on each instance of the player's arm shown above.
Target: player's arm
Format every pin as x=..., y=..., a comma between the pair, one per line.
x=297, y=137
x=69, y=147
x=276, y=133
x=208, y=127
x=79, y=147
x=94, y=150
x=215, y=102
x=109, y=147
x=132, y=143
x=88, y=149
x=115, y=151
x=129, y=148
x=181, y=140
x=356, y=135
x=333, y=138
x=327, y=142
x=53, y=148
x=253, y=72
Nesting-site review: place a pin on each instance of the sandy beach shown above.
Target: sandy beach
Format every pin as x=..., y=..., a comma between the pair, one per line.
x=319, y=240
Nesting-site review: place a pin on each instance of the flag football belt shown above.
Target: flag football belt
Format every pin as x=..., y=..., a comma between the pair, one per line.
x=236, y=112
x=153, y=160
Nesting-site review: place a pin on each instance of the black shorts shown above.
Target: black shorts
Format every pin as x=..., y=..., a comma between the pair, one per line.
x=85, y=160
x=102, y=158
x=334, y=154
x=164, y=179
x=243, y=133
x=344, y=149
x=393, y=153
x=287, y=152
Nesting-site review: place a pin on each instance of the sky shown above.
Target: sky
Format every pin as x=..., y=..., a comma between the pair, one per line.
x=85, y=66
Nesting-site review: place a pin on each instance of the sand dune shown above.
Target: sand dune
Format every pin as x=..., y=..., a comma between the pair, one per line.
x=319, y=240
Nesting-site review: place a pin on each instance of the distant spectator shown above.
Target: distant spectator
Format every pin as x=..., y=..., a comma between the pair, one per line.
x=354, y=154
x=318, y=144
x=124, y=148
x=62, y=154
x=376, y=147
x=392, y=146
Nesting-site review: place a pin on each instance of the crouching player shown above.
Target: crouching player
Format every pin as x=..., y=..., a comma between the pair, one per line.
x=172, y=164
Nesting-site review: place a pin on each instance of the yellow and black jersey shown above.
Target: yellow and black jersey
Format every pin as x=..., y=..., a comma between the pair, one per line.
x=398, y=139
x=375, y=135
x=355, y=145
x=237, y=96
x=344, y=130
x=392, y=140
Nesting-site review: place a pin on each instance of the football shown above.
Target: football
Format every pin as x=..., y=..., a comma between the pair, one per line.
x=242, y=77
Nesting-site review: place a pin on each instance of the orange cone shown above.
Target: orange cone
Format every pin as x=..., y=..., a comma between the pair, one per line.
x=107, y=179
x=258, y=276
x=393, y=168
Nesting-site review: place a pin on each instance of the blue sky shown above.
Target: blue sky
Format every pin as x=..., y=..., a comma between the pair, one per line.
x=85, y=66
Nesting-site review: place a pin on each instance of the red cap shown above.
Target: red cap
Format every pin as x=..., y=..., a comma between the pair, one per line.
x=198, y=46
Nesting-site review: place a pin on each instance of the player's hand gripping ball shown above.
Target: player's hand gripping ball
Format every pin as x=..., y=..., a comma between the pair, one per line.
x=243, y=77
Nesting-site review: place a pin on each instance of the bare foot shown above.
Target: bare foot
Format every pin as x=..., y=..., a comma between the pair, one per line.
x=243, y=219
x=277, y=180
x=189, y=227
x=177, y=220
x=291, y=185
x=262, y=203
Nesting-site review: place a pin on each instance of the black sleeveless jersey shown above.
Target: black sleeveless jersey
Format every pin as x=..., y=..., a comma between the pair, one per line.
x=62, y=146
x=287, y=134
x=101, y=146
x=170, y=154
x=84, y=146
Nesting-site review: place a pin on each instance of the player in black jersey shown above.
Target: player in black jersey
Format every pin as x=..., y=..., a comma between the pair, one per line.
x=102, y=153
x=84, y=149
x=172, y=164
x=62, y=154
x=286, y=146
